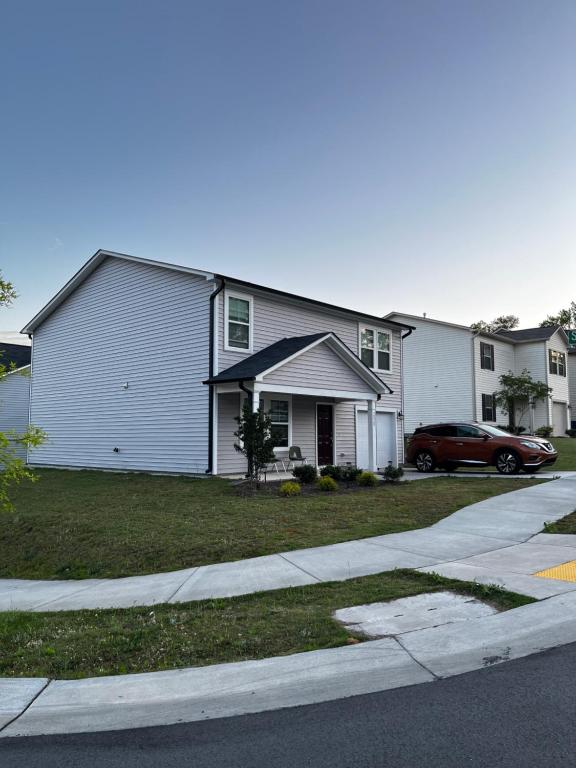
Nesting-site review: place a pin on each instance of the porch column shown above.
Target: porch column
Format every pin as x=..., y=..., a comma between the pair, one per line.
x=255, y=400
x=371, y=435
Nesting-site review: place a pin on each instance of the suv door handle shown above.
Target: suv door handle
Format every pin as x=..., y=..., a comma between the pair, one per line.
x=459, y=443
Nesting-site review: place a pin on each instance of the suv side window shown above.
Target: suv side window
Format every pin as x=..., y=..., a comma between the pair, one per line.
x=465, y=430
x=446, y=430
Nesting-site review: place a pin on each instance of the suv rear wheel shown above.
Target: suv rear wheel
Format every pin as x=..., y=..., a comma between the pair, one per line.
x=507, y=462
x=424, y=461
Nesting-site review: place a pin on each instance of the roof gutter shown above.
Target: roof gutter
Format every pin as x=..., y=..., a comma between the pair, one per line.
x=212, y=332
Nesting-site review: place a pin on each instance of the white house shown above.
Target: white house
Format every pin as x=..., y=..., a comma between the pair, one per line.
x=159, y=359
x=451, y=372
x=15, y=390
x=572, y=376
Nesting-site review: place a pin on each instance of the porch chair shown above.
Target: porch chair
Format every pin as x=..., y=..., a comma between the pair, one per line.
x=295, y=454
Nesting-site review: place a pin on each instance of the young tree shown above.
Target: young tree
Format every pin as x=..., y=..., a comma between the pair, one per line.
x=256, y=444
x=565, y=317
x=518, y=393
x=12, y=468
x=504, y=322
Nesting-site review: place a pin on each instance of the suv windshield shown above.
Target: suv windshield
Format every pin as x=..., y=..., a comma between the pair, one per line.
x=494, y=430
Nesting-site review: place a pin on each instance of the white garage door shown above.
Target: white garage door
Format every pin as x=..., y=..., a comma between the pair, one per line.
x=559, y=419
x=385, y=439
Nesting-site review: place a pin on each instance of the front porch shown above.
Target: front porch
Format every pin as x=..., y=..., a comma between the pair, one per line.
x=320, y=397
x=323, y=426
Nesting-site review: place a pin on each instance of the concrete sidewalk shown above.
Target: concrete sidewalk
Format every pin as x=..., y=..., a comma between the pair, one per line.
x=494, y=525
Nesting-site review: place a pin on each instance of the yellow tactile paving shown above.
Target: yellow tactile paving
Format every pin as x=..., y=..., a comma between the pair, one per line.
x=564, y=572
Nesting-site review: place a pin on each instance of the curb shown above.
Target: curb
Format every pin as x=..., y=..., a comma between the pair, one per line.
x=41, y=707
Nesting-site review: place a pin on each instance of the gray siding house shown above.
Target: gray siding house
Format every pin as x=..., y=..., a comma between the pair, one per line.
x=160, y=358
x=14, y=405
x=451, y=372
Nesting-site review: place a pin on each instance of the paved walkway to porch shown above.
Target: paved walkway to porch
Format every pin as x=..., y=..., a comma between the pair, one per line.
x=494, y=541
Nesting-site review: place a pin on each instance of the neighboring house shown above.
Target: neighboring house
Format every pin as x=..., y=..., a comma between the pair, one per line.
x=572, y=376
x=14, y=355
x=159, y=359
x=451, y=372
x=15, y=403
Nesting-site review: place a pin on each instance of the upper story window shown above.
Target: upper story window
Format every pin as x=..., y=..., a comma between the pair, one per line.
x=487, y=356
x=238, y=322
x=557, y=362
x=375, y=349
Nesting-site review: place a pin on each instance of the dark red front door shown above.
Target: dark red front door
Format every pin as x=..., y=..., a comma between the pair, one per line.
x=325, y=432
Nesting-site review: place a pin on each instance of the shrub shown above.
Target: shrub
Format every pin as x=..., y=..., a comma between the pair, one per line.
x=290, y=488
x=368, y=479
x=331, y=470
x=516, y=430
x=350, y=474
x=327, y=484
x=306, y=473
x=544, y=431
x=393, y=474
x=571, y=432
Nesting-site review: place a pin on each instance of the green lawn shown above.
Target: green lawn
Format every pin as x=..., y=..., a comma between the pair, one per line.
x=93, y=524
x=566, y=447
x=88, y=643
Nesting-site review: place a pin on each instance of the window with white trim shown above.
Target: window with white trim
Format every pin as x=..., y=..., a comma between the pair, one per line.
x=557, y=362
x=238, y=322
x=488, y=408
x=279, y=414
x=486, y=356
x=375, y=349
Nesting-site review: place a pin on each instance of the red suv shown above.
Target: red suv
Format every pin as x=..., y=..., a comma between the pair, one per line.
x=461, y=444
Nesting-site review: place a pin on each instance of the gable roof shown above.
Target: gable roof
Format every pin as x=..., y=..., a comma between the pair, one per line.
x=260, y=363
x=101, y=255
x=542, y=333
x=16, y=354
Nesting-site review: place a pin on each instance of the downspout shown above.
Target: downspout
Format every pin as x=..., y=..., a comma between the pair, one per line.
x=211, y=373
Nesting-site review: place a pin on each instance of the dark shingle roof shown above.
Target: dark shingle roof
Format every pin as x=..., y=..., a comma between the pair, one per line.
x=17, y=354
x=531, y=334
x=261, y=361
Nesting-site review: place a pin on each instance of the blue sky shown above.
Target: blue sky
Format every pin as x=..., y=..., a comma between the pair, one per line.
x=415, y=155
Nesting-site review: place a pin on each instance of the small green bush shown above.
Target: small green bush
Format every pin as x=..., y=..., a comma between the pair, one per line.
x=290, y=488
x=393, y=474
x=544, y=431
x=306, y=473
x=331, y=470
x=350, y=474
x=327, y=484
x=367, y=479
x=571, y=432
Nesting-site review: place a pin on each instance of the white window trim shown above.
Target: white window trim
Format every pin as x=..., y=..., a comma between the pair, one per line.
x=560, y=354
x=267, y=397
x=376, y=330
x=250, y=299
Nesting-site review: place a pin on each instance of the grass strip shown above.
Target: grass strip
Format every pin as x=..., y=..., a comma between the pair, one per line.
x=77, y=644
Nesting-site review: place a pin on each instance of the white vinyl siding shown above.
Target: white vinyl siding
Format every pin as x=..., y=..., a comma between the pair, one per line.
x=318, y=367
x=438, y=379
x=572, y=386
x=488, y=381
x=14, y=404
x=120, y=364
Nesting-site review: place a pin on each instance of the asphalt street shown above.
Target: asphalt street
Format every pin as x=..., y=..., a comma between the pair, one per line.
x=522, y=713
